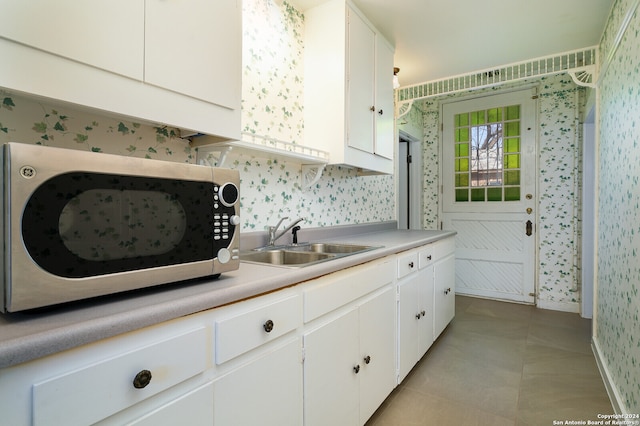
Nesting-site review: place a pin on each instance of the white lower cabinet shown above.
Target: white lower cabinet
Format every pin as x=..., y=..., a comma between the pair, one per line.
x=349, y=365
x=415, y=308
x=444, y=300
x=324, y=352
x=193, y=409
x=266, y=391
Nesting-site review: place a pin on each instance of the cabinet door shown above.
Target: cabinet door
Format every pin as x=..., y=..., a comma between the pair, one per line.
x=194, y=47
x=331, y=386
x=360, y=83
x=193, y=409
x=377, y=351
x=384, y=116
x=415, y=319
x=409, y=325
x=267, y=391
x=106, y=34
x=444, y=295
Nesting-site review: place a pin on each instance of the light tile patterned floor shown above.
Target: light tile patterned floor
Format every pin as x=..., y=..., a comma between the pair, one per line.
x=501, y=364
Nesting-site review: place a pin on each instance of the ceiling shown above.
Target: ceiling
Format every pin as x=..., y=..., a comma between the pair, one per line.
x=443, y=38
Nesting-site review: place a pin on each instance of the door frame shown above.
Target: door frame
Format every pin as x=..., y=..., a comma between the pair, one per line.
x=414, y=202
x=534, y=88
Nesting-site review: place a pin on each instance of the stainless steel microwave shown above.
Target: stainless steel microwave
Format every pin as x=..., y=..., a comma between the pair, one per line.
x=79, y=224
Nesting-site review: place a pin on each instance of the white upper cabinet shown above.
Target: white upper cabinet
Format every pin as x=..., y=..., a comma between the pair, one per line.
x=175, y=63
x=107, y=34
x=194, y=47
x=348, y=87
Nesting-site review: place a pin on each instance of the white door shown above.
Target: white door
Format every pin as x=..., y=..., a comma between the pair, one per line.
x=488, y=183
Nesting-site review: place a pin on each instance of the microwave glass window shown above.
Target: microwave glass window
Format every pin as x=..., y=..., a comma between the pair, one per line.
x=82, y=224
x=106, y=224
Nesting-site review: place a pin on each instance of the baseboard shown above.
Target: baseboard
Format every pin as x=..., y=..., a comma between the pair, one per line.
x=572, y=307
x=614, y=396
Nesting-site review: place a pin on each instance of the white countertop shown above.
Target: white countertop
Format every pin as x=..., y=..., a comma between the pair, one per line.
x=38, y=333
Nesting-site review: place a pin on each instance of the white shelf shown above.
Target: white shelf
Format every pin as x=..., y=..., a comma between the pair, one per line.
x=312, y=161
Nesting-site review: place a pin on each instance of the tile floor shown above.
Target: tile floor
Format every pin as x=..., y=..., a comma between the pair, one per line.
x=501, y=364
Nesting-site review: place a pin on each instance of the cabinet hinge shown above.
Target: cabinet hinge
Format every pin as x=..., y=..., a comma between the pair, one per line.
x=534, y=97
x=302, y=355
x=409, y=159
x=442, y=127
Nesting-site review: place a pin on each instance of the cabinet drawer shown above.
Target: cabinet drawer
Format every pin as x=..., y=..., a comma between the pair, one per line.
x=425, y=256
x=443, y=248
x=407, y=263
x=92, y=393
x=255, y=326
x=339, y=288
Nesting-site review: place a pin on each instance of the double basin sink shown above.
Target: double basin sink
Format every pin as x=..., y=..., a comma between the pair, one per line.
x=297, y=256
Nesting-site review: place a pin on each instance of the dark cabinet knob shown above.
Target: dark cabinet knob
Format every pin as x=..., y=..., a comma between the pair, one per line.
x=447, y=291
x=356, y=369
x=423, y=313
x=429, y=257
x=367, y=359
x=142, y=379
x=381, y=112
x=418, y=315
x=373, y=108
x=268, y=326
x=411, y=265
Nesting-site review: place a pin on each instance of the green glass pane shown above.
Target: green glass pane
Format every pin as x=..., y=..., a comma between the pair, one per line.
x=512, y=194
x=512, y=129
x=512, y=112
x=462, y=195
x=477, y=117
x=512, y=145
x=462, y=135
x=494, y=115
x=462, y=164
x=477, y=194
x=494, y=194
x=512, y=177
x=462, y=150
x=461, y=120
x=512, y=161
x=462, y=180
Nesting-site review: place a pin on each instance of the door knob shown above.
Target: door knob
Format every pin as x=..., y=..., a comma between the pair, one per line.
x=529, y=228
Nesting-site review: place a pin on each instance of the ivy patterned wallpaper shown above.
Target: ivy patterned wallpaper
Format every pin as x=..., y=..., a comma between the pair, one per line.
x=560, y=105
x=618, y=252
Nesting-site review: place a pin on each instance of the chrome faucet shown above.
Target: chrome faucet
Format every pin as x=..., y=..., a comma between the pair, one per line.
x=273, y=230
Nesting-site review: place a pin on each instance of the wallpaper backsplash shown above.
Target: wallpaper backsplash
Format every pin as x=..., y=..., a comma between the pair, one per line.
x=618, y=318
x=272, y=105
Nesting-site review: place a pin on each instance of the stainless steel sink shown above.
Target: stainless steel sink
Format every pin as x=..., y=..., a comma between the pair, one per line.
x=284, y=257
x=331, y=248
x=296, y=256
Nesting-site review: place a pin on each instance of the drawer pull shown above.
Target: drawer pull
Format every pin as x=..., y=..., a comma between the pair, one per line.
x=356, y=369
x=142, y=379
x=367, y=359
x=268, y=326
